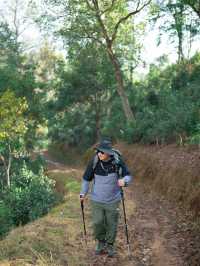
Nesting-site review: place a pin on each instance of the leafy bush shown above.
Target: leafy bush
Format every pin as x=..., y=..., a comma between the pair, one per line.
x=5, y=218
x=30, y=196
x=35, y=165
x=167, y=105
x=72, y=126
x=195, y=137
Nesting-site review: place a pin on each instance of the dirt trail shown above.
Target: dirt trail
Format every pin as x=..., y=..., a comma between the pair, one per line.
x=155, y=241
x=152, y=230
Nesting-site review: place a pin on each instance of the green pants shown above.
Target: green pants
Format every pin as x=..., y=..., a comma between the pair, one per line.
x=105, y=220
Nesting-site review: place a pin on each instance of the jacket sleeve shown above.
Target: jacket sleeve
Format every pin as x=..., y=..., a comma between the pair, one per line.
x=85, y=187
x=89, y=172
x=126, y=175
x=87, y=177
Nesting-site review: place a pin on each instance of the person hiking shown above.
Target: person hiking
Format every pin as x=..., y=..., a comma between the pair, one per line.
x=105, y=195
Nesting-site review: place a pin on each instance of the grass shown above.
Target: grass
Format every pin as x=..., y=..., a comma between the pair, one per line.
x=57, y=238
x=52, y=240
x=66, y=154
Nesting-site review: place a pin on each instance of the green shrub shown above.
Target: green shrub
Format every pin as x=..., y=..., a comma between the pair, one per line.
x=5, y=219
x=195, y=137
x=35, y=165
x=30, y=196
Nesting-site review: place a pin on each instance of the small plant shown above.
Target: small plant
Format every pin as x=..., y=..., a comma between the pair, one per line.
x=195, y=138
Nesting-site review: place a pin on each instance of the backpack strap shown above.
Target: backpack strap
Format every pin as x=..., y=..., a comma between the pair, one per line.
x=120, y=172
x=116, y=162
x=118, y=169
x=95, y=161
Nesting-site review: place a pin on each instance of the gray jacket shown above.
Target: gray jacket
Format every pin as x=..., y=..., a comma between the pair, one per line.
x=104, y=187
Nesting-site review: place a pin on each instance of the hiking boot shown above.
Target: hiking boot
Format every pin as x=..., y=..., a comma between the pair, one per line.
x=111, y=250
x=100, y=247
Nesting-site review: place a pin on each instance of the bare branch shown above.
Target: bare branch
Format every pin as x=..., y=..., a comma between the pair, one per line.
x=91, y=36
x=137, y=10
x=197, y=10
x=98, y=16
x=138, y=4
x=3, y=15
x=109, y=8
x=2, y=158
x=89, y=5
x=85, y=34
x=25, y=26
x=194, y=6
x=15, y=21
x=4, y=161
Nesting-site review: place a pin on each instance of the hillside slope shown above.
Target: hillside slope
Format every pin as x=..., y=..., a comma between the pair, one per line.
x=159, y=234
x=170, y=170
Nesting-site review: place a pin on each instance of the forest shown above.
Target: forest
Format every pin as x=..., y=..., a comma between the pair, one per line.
x=99, y=84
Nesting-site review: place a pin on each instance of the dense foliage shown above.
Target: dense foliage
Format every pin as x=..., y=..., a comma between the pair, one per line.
x=168, y=109
x=166, y=105
x=165, y=102
x=25, y=192
x=30, y=196
x=95, y=91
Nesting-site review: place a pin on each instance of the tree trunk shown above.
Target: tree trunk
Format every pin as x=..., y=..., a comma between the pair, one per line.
x=178, y=18
x=97, y=105
x=98, y=131
x=5, y=167
x=8, y=168
x=120, y=87
x=180, y=47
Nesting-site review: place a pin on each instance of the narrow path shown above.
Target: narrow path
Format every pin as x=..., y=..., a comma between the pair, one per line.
x=154, y=223
x=159, y=235
x=152, y=230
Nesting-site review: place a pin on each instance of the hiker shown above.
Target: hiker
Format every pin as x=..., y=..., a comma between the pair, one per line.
x=105, y=195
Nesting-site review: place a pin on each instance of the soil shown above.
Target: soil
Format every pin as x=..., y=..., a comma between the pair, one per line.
x=157, y=238
x=159, y=234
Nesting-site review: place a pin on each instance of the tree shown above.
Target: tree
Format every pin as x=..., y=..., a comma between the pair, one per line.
x=18, y=14
x=91, y=81
x=194, y=4
x=18, y=72
x=178, y=21
x=177, y=11
x=12, y=128
x=9, y=59
x=86, y=81
x=47, y=64
x=101, y=21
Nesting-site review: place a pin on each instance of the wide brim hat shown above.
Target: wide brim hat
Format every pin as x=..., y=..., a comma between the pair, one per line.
x=105, y=146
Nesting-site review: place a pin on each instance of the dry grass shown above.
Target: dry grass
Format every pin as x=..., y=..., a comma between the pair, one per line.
x=52, y=240
x=56, y=239
x=171, y=170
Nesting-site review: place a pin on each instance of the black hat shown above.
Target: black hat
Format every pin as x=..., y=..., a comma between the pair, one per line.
x=105, y=146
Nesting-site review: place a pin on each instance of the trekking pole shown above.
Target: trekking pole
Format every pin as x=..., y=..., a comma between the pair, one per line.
x=124, y=212
x=83, y=217
x=125, y=222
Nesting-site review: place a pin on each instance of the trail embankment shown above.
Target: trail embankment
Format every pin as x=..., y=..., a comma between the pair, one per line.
x=160, y=234
x=172, y=171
